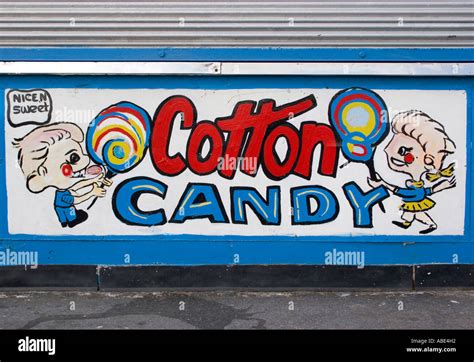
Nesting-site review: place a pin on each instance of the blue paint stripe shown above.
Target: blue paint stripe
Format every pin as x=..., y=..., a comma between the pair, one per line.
x=236, y=82
x=200, y=238
x=238, y=54
x=201, y=249
x=214, y=253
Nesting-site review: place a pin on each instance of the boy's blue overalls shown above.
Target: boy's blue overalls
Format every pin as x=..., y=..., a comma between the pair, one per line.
x=64, y=207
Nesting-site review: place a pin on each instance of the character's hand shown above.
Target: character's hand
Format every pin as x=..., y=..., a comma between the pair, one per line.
x=98, y=191
x=99, y=178
x=107, y=182
x=446, y=184
x=374, y=183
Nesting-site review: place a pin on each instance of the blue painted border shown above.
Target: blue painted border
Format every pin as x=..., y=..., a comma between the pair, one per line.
x=239, y=54
x=166, y=252
x=201, y=249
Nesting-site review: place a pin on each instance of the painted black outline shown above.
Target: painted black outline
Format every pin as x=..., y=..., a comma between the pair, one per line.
x=245, y=138
x=387, y=129
x=257, y=107
x=294, y=189
x=275, y=155
x=10, y=122
x=134, y=200
x=212, y=146
x=320, y=143
x=369, y=226
x=114, y=172
x=276, y=123
x=247, y=203
x=168, y=139
x=209, y=217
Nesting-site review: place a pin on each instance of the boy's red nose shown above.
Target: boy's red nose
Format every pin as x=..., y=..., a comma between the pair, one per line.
x=66, y=170
x=408, y=158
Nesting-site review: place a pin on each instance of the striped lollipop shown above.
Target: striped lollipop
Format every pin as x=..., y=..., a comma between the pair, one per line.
x=118, y=137
x=360, y=118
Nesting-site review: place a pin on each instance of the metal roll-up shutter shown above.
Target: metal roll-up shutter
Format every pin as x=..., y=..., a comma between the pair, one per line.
x=425, y=23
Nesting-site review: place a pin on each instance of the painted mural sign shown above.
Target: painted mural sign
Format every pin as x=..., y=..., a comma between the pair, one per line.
x=296, y=162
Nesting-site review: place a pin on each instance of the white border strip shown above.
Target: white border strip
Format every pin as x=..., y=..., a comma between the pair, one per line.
x=110, y=68
x=366, y=68
x=241, y=68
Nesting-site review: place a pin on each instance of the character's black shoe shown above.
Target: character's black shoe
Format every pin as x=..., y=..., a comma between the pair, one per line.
x=429, y=230
x=64, y=224
x=403, y=225
x=81, y=216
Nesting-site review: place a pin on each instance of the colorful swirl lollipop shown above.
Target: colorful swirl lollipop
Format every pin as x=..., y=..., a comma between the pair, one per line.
x=360, y=117
x=118, y=137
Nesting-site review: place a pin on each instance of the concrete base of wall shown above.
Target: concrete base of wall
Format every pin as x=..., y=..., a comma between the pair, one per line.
x=250, y=277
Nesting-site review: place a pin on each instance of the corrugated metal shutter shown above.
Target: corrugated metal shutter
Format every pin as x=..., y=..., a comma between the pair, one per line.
x=223, y=24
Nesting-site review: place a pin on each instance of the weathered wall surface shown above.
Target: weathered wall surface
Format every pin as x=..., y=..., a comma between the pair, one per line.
x=237, y=169
x=128, y=141
x=198, y=23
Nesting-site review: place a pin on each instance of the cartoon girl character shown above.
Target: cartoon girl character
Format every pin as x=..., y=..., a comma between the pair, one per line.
x=419, y=147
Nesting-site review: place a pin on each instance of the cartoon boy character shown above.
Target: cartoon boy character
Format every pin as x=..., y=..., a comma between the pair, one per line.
x=419, y=146
x=52, y=156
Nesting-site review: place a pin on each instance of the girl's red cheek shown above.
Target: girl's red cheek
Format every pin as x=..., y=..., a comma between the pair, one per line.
x=408, y=158
x=66, y=170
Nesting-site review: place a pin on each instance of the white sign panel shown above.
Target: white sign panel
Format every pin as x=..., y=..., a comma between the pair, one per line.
x=295, y=162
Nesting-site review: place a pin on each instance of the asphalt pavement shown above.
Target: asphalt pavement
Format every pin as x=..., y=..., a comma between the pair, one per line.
x=440, y=309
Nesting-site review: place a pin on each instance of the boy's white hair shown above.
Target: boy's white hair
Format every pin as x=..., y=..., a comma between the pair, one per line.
x=34, y=146
x=429, y=133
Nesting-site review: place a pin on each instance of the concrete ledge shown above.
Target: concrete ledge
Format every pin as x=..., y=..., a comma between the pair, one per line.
x=256, y=277
x=461, y=276
x=49, y=276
